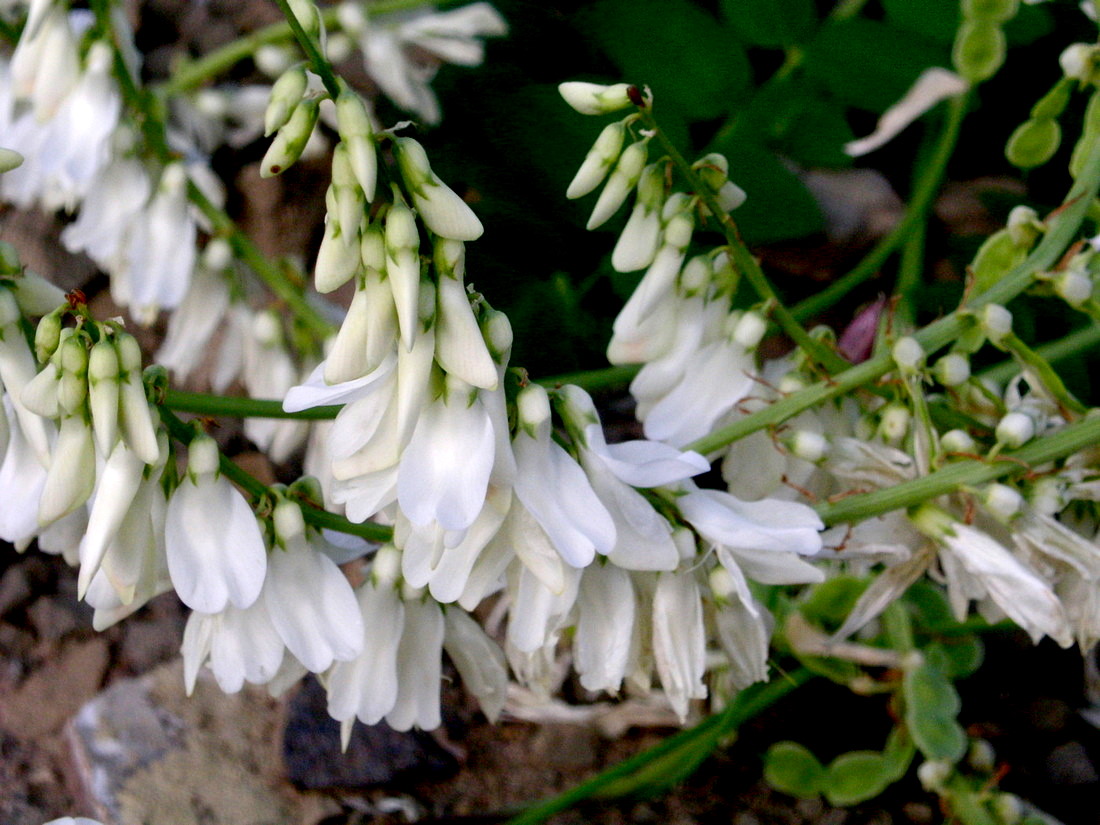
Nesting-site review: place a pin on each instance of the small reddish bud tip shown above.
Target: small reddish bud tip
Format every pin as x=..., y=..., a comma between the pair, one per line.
x=276, y=170
x=76, y=298
x=635, y=95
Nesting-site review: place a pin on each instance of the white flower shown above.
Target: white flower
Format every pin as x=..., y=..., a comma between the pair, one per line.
x=679, y=639
x=216, y=553
x=479, y=661
x=933, y=85
x=445, y=467
x=763, y=538
x=240, y=646
x=605, y=627
x=22, y=478
x=403, y=52
x=554, y=488
x=309, y=600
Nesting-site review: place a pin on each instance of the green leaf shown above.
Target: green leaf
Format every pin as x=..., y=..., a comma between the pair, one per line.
x=868, y=63
x=855, y=777
x=815, y=134
x=831, y=601
x=771, y=23
x=648, y=39
x=791, y=768
x=931, y=704
x=898, y=754
x=935, y=19
x=963, y=655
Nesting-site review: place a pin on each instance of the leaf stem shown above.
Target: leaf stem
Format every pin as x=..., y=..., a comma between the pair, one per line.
x=749, y=703
x=1064, y=224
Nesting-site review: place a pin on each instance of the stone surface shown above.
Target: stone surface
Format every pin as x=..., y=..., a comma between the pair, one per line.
x=146, y=754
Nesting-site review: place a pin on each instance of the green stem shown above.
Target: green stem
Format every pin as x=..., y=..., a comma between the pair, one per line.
x=202, y=403
x=749, y=703
x=1052, y=352
x=193, y=74
x=920, y=202
x=256, y=489
x=743, y=259
x=1064, y=224
x=317, y=61
x=1070, y=439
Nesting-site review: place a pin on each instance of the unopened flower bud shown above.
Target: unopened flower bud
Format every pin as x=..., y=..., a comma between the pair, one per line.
x=9, y=159
x=958, y=441
x=594, y=98
x=103, y=389
x=9, y=308
x=286, y=94
x=1002, y=501
x=203, y=456
x=1047, y=495
x=217, y=256
x=1008, y=808
x=894, y=422
x=933, y=775
x=288, y=520
x=272, y=59
x=355, y=128
x=996, y=322
x=532, y=408
x=684, y=539
x=1033, y=142
x=308, y=15
x=441, y=209
x=625, y=176
x=808, y=445
x=47, y=336
x=1015, y=429
x=1078, y=62
x=1023, y=226
x=290, y=140
x=750, y=329
x=497, y=331
x=722, y=585
x=386, y=568
x=790, y=383
x=952, y=370
x=908, y=354
x=598, y=162
x=73, y=356
x=1073, y=286
x=696, y=275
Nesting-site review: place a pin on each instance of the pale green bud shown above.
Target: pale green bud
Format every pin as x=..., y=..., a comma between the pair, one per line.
x=1024, y=226
x=401, y=229
x=372, y=248
x=1008, y=808
x=103, y=393
x=696, y=275
x=308, y=15
x=750, y=329
x=203, y=456
x=1073, y=286
x=1078, y=62
x=952, y=370
x=1033, y=142
x=74, y=356
x=1002, y=501
x=599, y=160
x=624, y=178
x=290, y=140
x=908, y=354
x=288, y=520
x=355, y=128
x=894, y=422
x=933, y=775
x=441, y=209
x=9, y=159
x=808, y=445
x=722, y=585
x=286, y=94
x=996, y=322
x=47, y=336
x=532, y=409
x=979, y=50
x=958, y=441
x=497, y=331
x=9, y=308
x=386, y=569
x=1015, y=429
x=217, y=256
x=273, y=60
x=594, y=98
x=450, y=257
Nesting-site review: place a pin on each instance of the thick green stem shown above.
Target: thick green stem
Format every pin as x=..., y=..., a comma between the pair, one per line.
x=919, y=203
x=748, y=704
x=1064, y=225
x=743, y=259
x=1074, y=437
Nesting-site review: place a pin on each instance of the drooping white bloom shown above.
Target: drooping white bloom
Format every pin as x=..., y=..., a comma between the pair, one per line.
x=310, y=602
x=554, y=488
x=22, y=478
x=479, y=661
x=763, y=538
x=240, y=645
x=605, y=627
x=679, y=639
x=216, y=553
